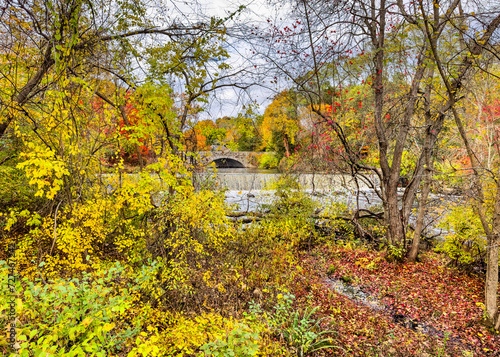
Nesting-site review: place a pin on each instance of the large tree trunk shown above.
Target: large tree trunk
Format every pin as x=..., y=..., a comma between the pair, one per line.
x=395, y=233
x=395, y=218
x=395, y=230
x=27, y=91
x=390, y=179
x=492, y=251
x=412, y=255
x=287, y=145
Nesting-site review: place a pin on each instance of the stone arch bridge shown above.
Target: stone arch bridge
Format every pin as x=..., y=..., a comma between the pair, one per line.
x=227, y=158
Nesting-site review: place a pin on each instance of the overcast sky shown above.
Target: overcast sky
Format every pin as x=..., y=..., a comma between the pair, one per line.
x=228, y=102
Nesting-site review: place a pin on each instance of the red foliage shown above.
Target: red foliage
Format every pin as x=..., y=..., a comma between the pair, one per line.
x=440, y=298
x=121, y=126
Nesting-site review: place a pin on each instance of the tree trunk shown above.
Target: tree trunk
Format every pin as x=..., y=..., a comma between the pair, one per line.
x=492, y=251
x=395, y=229
x=424, y=166
x=412, y=255
x=24, y=94
x=287, y=145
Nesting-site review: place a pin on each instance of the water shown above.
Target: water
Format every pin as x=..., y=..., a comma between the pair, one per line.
x=258, y=179
x=355, y=294
x=249, y=190
x=235, y=170
x=254, y=200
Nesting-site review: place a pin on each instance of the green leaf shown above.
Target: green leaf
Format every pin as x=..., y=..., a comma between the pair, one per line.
x=32, y=334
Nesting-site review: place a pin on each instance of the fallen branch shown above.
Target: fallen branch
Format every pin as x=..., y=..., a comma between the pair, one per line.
x=244, y=214
x=247, y=220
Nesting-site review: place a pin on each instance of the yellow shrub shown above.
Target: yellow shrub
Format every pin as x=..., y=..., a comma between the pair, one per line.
x=44, y=170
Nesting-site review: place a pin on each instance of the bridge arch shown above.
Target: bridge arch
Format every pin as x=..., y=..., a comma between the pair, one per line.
x=227, y=158
x=226, y=162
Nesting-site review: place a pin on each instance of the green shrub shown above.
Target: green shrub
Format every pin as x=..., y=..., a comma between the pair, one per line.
x=299, y=329
x=268, y=161
x=394, y=252
x=465, y=241
x=240, y=341
x=290, y=217
x=74, y=317
x=16, y=193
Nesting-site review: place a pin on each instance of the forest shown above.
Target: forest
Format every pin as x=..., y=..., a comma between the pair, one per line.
x=117, y=241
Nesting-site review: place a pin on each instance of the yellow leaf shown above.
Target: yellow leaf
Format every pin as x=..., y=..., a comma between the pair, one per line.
x=87, y=321
x=108, y=327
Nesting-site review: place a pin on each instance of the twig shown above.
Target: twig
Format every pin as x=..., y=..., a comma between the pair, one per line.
x=55, y=228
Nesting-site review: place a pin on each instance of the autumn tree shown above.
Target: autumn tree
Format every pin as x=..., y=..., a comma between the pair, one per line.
x=280, y=123
x=397, y=40
x=71, y=98
x=248, y=128
x=36, y=36
x=485, y=183
x=203, y=135
x=195, y=66
x=441, y=42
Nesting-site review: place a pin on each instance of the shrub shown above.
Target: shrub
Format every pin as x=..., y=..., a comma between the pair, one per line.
x=290, y=217
x=186, y=335
x=74, y=317
x=15, y=192
x=268, y=161
x=215, y=335
x=240, y=341
x=465, y=241
x=299, y=329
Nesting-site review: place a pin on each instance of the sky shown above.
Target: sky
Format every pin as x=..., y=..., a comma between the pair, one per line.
x=228, y=102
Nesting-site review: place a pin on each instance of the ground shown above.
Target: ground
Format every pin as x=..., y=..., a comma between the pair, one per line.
x=424, y=309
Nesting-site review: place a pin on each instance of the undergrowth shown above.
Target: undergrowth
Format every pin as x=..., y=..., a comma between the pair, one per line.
x=181, y=279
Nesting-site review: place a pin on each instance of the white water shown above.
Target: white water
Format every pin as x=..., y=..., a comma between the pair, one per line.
x=260, y=180
x=253, y=200
x=249, y=190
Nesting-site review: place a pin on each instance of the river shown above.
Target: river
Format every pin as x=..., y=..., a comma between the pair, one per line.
x=249, y=189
